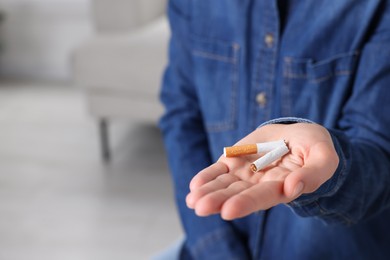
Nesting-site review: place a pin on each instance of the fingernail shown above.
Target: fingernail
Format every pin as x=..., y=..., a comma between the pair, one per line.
x=189, y=201
x=298, y=189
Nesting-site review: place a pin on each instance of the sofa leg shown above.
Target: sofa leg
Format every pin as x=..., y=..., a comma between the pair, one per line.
x=104, y=139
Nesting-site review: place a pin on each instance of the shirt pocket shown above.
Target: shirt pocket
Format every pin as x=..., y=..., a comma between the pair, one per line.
x=317, y=90
x=215, y=66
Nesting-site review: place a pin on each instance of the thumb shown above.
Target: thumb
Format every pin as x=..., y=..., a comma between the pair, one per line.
x=318, y=168
x=304, y=180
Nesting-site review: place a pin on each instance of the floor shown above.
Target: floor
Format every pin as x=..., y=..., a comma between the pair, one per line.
x=59, y=201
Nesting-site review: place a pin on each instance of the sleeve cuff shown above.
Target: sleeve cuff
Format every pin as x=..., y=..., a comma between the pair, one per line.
x=286, y=120
x=331, y=186
x=310, y=204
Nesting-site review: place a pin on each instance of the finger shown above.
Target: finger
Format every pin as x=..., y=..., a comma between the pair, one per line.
x=304, y=180
x=208, y=174
x=319, y=167
x=259, y=197
x=221, y=182
x=212, y=202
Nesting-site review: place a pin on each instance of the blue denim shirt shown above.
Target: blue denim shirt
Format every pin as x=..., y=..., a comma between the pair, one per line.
x=236, y=64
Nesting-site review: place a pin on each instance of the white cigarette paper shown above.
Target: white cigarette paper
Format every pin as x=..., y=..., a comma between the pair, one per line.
x=240, y=150
x=269, y=146
x=269, y=158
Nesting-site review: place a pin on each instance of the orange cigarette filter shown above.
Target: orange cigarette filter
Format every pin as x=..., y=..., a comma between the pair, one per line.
x=239, y=150
x=246, y=149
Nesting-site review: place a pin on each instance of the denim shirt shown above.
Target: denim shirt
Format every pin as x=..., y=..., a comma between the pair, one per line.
x=234, y=65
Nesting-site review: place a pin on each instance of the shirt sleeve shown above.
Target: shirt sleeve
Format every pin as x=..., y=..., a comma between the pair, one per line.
x=187, y=146
x=360, y=187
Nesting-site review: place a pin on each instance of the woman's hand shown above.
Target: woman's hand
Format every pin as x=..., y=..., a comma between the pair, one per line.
x=230, y=188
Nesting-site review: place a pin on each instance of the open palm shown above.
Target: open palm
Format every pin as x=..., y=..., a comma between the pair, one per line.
x=230, y=188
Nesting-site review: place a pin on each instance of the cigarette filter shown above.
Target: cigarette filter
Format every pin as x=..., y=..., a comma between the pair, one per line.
x=269, y=157
x=239, y=150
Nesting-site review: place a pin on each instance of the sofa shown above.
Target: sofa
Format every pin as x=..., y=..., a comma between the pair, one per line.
x=120, y=67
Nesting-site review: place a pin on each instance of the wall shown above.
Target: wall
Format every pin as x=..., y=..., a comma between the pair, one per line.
x=38, y=37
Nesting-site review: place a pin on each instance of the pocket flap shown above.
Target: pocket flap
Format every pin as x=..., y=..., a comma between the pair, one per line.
x=215, y=50
x=317, y=71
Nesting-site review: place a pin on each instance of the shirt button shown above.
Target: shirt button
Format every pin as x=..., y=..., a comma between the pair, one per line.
x=269, y=40
x=261, y=99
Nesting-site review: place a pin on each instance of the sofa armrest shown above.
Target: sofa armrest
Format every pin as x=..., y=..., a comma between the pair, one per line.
x=112, y=16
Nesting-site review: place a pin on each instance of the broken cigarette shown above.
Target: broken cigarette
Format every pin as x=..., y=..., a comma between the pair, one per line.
x=239, y=150
x=270, y=157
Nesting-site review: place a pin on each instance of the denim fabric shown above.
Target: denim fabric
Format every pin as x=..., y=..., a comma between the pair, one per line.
x=236, y=64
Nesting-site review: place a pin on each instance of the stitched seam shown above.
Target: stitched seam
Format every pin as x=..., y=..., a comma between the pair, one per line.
x=214, y=56
x=296, y=76
x=270, y=20
x=331, y=75
x=338, y=56
x=215, y=127
x=286, y=104
x=218, y=127
x=271, y=82
x=255, y=86
x=235, y=79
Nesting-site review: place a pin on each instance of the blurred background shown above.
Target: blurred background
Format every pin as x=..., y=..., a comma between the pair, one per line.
x=83, y=172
